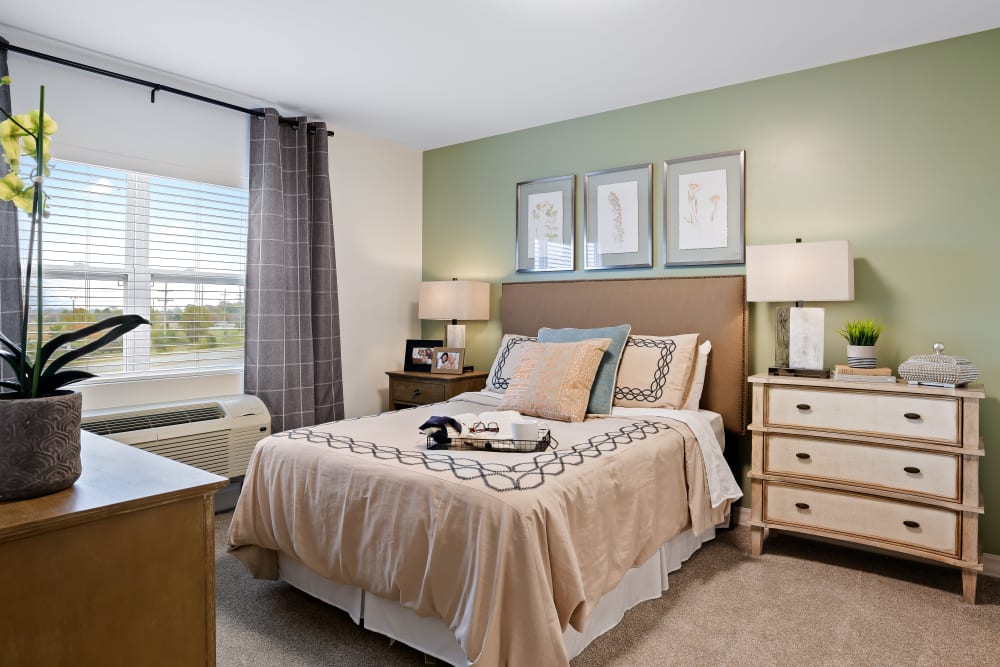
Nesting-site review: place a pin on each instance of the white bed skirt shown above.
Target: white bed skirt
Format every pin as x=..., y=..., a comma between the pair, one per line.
x=432, y=636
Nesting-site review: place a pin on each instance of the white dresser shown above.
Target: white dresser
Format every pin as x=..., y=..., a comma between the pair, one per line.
x=892, y=466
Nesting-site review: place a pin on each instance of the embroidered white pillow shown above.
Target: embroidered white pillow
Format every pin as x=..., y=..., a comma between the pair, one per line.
x=506, y=361
x=655, y=371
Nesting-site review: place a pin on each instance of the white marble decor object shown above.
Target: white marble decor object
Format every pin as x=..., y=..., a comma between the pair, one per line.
x=805, y=338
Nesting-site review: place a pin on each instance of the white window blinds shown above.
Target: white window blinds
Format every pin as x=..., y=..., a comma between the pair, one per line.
x=172, y=251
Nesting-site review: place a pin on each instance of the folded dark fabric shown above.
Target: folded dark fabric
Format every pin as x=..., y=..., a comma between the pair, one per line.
x=437, y=428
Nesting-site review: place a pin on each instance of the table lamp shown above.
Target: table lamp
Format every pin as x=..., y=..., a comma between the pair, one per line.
x=454, y=300
x=819, y=271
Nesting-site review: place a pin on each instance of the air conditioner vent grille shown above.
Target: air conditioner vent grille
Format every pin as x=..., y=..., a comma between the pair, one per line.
x=153, y=419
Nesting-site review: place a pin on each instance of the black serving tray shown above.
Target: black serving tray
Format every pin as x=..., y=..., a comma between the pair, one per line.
x=507, y=445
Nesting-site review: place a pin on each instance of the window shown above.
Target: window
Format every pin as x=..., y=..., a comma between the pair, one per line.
x=172, y=251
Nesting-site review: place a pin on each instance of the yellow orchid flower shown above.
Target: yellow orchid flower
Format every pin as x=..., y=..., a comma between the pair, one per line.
x=10, y=141
x=30, y=120
x=12, y=189
x=29, y=147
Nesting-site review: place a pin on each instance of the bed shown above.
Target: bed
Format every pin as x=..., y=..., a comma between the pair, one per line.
x=488, y=558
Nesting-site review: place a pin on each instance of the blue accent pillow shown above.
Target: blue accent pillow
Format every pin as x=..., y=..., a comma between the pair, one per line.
x=602, y=392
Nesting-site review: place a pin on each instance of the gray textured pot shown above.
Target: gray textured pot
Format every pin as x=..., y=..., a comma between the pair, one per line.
x=39, y=445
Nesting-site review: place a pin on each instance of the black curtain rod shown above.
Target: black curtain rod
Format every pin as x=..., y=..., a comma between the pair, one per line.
x=153, y=86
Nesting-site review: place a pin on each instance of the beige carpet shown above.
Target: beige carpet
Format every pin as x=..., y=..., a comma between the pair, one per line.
x=801, y=603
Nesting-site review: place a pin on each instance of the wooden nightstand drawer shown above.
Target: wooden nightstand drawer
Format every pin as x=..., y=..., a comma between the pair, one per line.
x=926, y=473
x=931, y=528
x=895, y=415
x=405, y=391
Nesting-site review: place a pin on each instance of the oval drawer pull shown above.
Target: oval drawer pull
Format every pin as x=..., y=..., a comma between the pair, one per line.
x=911, y=524
x=802, y=506
x=803, y=406
x=803, y=456
x=913, y=470
x=416, y=392
x=911, y=415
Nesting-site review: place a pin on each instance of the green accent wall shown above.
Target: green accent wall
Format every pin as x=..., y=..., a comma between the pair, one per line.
x=897, y=153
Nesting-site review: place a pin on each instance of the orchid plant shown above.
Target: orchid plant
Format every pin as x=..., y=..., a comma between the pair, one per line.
x=44, y=374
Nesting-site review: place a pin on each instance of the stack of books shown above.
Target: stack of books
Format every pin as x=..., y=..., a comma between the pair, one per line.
x=844, y=373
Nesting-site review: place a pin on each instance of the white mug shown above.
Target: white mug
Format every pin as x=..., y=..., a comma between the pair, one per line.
x=529, y=429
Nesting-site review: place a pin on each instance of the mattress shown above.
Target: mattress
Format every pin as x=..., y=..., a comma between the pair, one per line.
x=507, y=551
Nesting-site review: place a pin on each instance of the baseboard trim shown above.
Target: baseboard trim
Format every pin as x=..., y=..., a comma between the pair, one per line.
x=991, y=565
x=743, y=516
x=991, y=562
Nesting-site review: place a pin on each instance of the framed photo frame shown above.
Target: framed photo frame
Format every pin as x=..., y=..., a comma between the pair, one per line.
x=448, y=360
x=618, y=232
x=420, y=354
x=546, y=219
x=703, y=210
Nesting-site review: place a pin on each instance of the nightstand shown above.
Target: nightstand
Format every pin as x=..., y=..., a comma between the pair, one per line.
x=410, y=388
x=892, y=466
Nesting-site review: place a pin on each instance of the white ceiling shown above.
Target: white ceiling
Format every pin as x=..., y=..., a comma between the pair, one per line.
x=429, y=73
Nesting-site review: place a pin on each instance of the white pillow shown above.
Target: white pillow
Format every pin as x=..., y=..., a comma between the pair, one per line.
x=506, y=361
x=698, y=381
x=656, y=371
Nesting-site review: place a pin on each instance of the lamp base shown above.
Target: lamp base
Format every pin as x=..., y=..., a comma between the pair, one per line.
x=799, y=372
x=799, y=338
x=456, y=335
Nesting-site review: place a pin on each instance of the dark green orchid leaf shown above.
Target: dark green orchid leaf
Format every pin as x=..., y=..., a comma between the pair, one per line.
x=119, y=325
x=15, y=359
x=11, y=345
x=53, y=345
x=51, y=383
x=11, y=385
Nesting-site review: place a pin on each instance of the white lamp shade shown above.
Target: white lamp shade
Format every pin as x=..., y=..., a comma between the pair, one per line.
x=454, y=300
x=819, y=271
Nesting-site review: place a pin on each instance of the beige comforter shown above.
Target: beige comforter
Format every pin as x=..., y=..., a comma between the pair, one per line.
x=507, y=549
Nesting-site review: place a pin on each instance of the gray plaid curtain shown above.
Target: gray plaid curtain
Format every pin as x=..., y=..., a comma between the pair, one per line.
x=292, y=319
x=10, y=261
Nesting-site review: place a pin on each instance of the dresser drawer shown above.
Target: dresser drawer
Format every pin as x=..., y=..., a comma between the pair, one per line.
x=896, y=522
x=894, y=415
x=404, y=391
x=926, y=473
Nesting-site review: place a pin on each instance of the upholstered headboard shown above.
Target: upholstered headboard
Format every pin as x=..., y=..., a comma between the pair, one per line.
x=713, y=306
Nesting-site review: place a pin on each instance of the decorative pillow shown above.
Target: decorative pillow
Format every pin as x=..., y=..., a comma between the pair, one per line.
x=553, y=380
x=508, y=357
x=602, y=393
x=693, y=400
x=655, y=371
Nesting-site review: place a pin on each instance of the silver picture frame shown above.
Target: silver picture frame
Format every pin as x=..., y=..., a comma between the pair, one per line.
x=546, y=225
x=618, y=227
x=704, y=202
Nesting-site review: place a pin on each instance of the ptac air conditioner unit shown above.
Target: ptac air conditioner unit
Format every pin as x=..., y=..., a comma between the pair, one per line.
x=214, y=434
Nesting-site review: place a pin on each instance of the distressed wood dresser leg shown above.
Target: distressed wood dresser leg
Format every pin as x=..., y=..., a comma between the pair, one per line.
x=969, y=578
x=757, y=541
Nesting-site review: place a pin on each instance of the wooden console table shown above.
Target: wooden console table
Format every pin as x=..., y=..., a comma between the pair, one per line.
x=119, y=569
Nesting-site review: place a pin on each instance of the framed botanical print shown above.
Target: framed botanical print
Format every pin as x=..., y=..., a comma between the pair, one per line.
x=545, y=221
x=619, y=218
x=703, y=204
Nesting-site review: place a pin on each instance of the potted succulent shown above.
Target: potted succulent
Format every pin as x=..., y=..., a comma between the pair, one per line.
x=861, y=337
x=39, y=419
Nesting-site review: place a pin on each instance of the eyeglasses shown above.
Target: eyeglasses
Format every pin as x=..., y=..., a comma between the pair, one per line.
x=480, y=427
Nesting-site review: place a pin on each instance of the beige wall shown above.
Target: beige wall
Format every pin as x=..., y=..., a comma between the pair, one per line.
x=376, y=209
